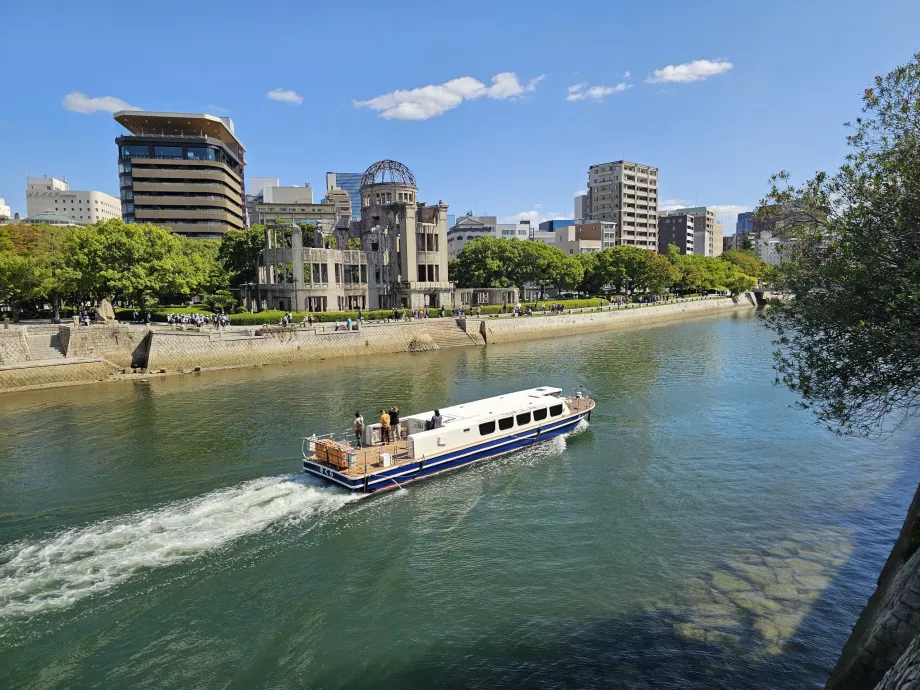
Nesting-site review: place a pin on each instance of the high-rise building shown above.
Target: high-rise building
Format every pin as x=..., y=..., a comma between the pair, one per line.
x=351, y=183
x=451, y=219
x=181, y=170
x=582, y=210
x=626, y=193
x=704, y=219
x=745, y=222
x=5, y=211
x=50, y=195
x=677, y=230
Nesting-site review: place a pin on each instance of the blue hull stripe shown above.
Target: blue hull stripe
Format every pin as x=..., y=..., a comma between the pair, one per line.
x=382, y=481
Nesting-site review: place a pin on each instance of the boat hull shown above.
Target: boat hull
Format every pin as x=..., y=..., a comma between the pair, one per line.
x=416, y=470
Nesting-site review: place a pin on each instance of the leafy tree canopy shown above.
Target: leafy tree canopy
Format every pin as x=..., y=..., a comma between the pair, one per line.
x=848, y=342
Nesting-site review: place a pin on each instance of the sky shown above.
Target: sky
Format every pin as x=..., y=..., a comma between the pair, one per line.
x=498, y=108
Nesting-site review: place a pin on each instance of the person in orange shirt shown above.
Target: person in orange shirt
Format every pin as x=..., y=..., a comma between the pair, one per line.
x=384, y=426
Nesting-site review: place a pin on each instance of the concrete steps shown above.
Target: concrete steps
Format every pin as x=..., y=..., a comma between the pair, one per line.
x=446, y=333
x=45, y=346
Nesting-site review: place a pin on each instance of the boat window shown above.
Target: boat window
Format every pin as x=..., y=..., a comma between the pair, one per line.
x=539, y=415
x=523, y=418
x=486, y=428
x=506, y=423
x=465, y=430
x=555, y=410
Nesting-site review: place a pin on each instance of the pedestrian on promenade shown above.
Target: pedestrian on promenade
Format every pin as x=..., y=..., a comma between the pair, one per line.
x=384, y=426
x=358, y=426
x=348, y=324
x=394, y=423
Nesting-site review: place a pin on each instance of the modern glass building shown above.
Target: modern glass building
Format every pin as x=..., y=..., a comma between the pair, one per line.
x=181, y=170
x=745, y=222
x=551, y=225
x=351, y=183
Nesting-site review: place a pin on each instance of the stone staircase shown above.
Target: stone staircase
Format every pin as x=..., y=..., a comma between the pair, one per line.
x=446, y=333
x=45, y=345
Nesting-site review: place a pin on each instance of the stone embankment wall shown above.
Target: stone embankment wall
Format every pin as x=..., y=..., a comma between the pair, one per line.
x=513, y=330
x=48, y=375
x=14, y=347
x=121, y=345
x=188, y=351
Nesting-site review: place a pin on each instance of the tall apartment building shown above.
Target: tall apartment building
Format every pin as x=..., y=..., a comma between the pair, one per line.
x=708, y=243
x=627, y=194
x=351, y=183
x=677, y=230
x=582, y=210
x=183, y=171
x=49, y=195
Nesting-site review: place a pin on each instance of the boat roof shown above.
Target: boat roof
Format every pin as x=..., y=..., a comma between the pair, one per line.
x=490, y=407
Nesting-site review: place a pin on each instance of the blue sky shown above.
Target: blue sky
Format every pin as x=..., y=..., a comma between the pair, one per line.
x=523, y=97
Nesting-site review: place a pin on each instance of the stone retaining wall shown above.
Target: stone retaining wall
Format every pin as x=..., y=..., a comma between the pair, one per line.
x=13, y=345
x=48, y=375
x=187, y=351
x=530, y=328
x=121, y=345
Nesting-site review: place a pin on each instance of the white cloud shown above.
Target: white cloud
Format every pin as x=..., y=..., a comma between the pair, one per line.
x=81, y=103
x=581, y=191
x=435, y=99
x=285, y=96
x=626, y=75
x=728, y=214
x=581, y=92
x=218, y=109
x=689, y=71
x=535, y=216
x=673, y=204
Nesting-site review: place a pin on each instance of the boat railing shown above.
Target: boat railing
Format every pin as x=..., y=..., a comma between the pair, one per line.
x=579, y=404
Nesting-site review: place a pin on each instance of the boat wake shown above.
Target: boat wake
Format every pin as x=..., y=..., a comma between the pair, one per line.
x=58, y=571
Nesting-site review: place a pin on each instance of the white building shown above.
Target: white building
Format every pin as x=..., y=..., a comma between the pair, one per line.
x=257, y=184
x=468, y=228
x=5, y=211
x=702, y=241
x=50, y=195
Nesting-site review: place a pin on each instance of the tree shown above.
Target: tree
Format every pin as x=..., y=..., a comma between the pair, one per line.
x=848, y=340
x=21, y=280
x=484, y=262
x=748, y=262
x=239, y=253
x=136, y=261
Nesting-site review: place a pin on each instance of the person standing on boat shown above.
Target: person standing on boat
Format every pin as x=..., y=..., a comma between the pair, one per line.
x=436, y=421
x=384, y=426
x=359, y=428
x=394, y=423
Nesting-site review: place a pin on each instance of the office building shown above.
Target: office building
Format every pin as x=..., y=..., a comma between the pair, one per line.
x=745, y=222
x=552, y=225
x=451, y=220
x=52, y=196
x=351, y=183
x=181, y=170
x=582, y=210
x=5, y=211
x=627, y=194
x=341, y=200
x=255, y=185
x=586, y=238
x=703, y=219
x=675, y=229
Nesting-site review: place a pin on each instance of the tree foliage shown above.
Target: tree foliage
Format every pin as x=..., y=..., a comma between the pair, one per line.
x=848, y=343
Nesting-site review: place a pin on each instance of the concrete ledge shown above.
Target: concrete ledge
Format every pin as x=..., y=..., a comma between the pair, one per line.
x=53, y=373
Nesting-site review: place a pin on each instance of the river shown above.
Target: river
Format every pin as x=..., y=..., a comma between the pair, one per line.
x=700, y=532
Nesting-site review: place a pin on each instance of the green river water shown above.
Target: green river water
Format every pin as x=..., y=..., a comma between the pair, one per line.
x=699, y=533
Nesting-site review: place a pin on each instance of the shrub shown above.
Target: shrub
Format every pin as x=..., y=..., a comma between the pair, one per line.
x=241, y=310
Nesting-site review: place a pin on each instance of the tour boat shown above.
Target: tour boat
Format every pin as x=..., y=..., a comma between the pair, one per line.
x=468, y=433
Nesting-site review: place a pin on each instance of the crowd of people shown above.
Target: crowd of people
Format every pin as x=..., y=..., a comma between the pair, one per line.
x=196, y=320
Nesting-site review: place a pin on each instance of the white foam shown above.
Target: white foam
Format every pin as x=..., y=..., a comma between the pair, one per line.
x=58, y=571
